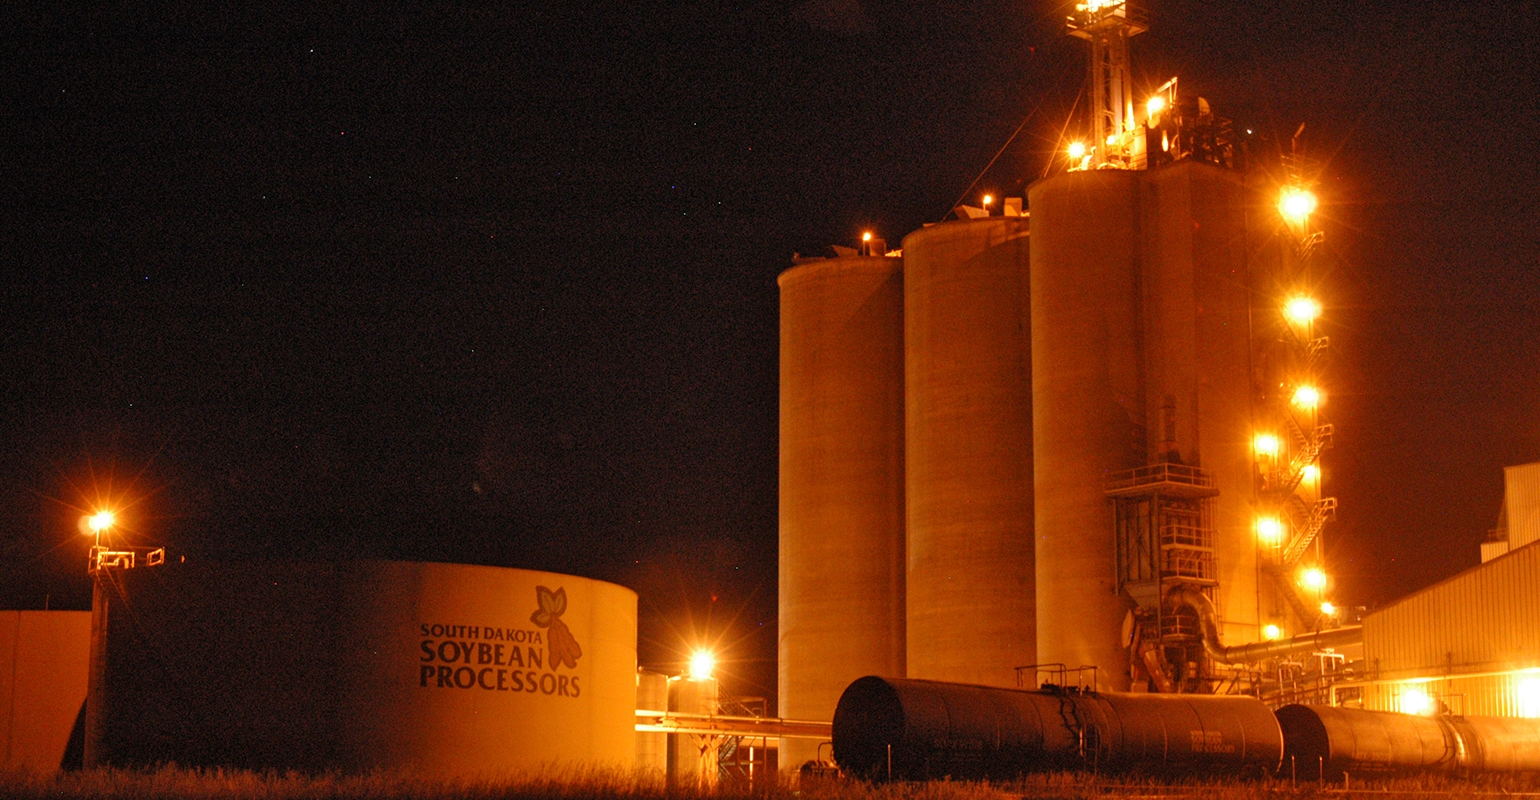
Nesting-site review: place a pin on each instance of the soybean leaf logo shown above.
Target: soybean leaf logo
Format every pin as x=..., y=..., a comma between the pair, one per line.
x=563, y=648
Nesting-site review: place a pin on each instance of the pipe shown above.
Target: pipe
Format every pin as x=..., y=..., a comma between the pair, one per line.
x=1208, y=620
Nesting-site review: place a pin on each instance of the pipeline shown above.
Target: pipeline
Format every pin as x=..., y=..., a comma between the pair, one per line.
x=1208, y=620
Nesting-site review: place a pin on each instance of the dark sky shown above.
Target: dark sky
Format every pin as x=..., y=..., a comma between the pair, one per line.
x=496, y=283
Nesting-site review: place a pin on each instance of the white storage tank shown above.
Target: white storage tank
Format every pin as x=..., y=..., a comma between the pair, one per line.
x=436, y=669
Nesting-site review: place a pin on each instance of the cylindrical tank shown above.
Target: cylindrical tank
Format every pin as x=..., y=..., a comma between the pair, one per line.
x=971, y=612
x=651, y=748
x=438, y=669
x=1335, y=740
x=926, y=729
x=841, y=484
x=1089, y=407
x=692, y=758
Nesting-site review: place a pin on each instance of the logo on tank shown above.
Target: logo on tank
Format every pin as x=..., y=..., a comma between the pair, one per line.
x=504, y=659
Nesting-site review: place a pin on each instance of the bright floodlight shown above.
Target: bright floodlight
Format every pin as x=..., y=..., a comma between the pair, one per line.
x=1296, y=205
x=1311, y=473
x=866, y=236
x=101, y=520
x=1527, y=692
x=988, y=198
x=1266, y=444
x=1328, y=609
x=1155, y=105
x=701, y=665
x=1269, y=529
x=1307, y=397
x=1301, y=310
x=1313, y=578
x=1076, y=150
x=1271, y=632
x=1415, y=701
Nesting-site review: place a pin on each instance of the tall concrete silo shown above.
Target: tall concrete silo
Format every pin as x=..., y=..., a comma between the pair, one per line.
x=1143, y=408
x=968, y=451
x=1197, y=338
x=841, y=484
x=1089, y=406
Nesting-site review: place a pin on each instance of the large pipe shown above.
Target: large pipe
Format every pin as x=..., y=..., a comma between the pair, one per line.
x=1334, y=740
x=1208, y=621
x=912, y=729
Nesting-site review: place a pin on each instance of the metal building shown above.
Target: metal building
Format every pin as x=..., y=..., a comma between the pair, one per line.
x=1468, y=645
x=841, y=483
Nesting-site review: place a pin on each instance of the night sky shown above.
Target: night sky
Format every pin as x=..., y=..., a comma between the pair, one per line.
x=496, y=283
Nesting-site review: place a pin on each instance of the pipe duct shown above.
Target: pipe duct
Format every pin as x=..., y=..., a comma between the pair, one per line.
x=1208, y=621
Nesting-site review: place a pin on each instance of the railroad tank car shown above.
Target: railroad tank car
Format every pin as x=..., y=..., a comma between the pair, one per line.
x=917, y=730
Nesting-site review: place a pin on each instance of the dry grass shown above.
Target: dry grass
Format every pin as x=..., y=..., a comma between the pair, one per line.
x=172, y=783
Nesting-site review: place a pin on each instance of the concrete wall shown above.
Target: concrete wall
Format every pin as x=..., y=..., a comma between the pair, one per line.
x=43, y=658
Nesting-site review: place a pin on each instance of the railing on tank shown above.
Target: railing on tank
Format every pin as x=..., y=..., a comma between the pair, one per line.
x=1059, y=677
x=1156, y=475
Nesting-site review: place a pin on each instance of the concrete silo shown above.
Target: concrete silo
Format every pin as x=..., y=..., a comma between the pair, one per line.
x=968, y=451
x=841, y=484
x=1088, y=403
x=1141, y=388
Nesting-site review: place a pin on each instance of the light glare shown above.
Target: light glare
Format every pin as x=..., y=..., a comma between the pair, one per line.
x=1269, y=530
x=701, y=665
x=1077, y=150
x=1328, y=609
x=1301, y=310
x=1266, y=444
x=1313, y=578
x=1155, y=105
x=1271, y=632
x=1307, y=397
x=1296, y=205
x=1528, y=695
x=102, y=520
x=1415, y=701
x=1311, y=473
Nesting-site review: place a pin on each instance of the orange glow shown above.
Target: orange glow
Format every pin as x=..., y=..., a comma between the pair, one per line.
x=1307, y=397
x=1269, y=530
x=100, y=521
x=867, y=236
x=1415, y=701
x=1313, y=579
x=1155, y=105
x=1296, y=205
x=1527, y=692
x=1076, y=150
x=1271, y=632
x=1311, y=474
x=1302, y=310
x=988, y=199
x=702, y=663
x=1266, y=444
x=1328, y=609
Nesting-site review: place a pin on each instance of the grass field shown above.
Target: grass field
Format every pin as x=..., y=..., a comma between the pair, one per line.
x=172, y=783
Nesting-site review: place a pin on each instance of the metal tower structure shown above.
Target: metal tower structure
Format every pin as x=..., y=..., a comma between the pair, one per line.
x=1108, y=26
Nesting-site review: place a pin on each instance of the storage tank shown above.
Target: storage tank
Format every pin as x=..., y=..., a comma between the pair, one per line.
x=444, y=670
x=1089, y=407
x=927, y=729
x=841, y=484
x=43, y=666
x=968, y=451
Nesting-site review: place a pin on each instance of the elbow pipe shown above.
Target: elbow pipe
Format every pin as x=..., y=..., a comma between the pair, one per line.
x=1208, y=622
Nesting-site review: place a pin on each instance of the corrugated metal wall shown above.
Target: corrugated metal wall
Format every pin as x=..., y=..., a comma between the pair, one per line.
x=1484, y=620
x=1521, y=496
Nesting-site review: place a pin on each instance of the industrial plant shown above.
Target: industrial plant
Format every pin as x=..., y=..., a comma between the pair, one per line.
x=1051, y=498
